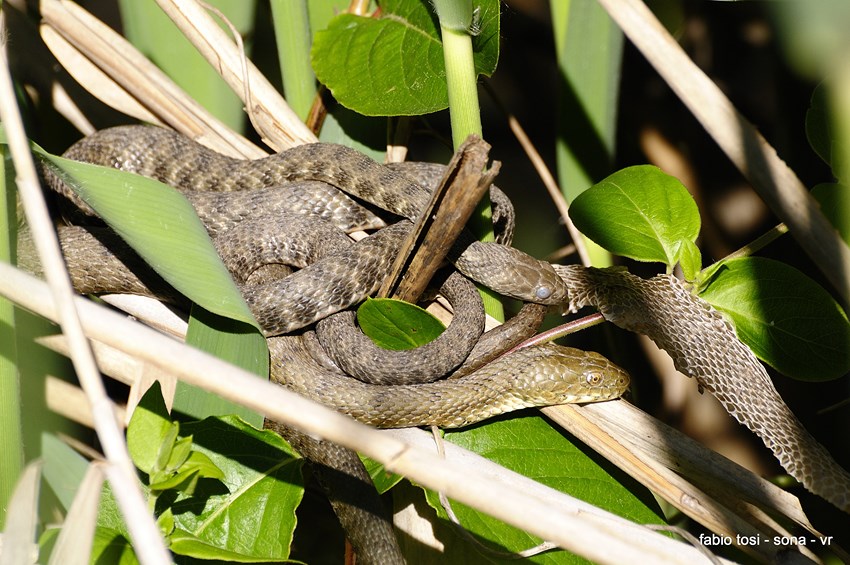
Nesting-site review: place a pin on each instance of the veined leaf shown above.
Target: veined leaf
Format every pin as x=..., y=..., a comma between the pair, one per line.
x=393, y=64
x=251, y=510
x=530, y=446
x=641, y=213
x=787, y=319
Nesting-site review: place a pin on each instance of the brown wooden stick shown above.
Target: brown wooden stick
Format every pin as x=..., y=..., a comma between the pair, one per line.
x=454, y=200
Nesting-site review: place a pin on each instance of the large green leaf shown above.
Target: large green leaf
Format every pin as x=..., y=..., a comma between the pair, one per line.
x=393, y=64
x=251, y=511
x=641, y=213
x=531, y=447
x=787, y=319
x=162, y=227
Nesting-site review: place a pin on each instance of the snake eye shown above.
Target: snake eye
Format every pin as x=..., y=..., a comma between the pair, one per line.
x=594, y=379
x=543, y=292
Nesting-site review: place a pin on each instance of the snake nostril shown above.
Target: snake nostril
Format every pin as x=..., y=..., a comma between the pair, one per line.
x=543, y=292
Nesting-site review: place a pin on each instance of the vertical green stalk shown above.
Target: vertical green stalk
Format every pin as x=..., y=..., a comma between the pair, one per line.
x=292, y=34
x=589, y=49
x=11, y=428
x=464, y=111
x=462, y=84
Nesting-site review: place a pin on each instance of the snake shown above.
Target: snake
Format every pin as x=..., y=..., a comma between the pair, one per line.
x=700, y=340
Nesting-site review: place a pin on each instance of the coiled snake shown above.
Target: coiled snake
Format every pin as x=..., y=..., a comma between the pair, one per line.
x=701, y=342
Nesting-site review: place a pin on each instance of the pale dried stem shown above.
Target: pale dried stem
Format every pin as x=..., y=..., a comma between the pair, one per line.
x=121, y=472
x=277, y=123
x=754, y=157
x=572, y=524
x=121, y=73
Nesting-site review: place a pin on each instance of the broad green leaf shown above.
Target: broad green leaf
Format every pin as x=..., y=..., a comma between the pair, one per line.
x=251, y=511
x=184, y=543
x=397, y=325
x=641, y=213
x=112, y=547
x=393, y=64
x=834, y=202
x=162, y=227
x=148, y=431
x=530, y=446
x=788, y=320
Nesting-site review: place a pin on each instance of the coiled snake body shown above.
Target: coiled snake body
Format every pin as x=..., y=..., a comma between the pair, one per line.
x=702, y=344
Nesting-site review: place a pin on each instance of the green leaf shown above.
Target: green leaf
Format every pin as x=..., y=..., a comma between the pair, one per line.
x=788, y=320
x=233, y=341
x=589, y=47
x=148, y=431
x=393, y=64
x=181, y=449
x=530, y=446
x=148, y=27
x=641, y=213
x=108, y=546
x=63, y=470
x=184, y=543
x=184, y=481
x=162, y=227
x=397, y=325
x=250, y=512
x=165, y=522
x=690, y=259
x=834, y=202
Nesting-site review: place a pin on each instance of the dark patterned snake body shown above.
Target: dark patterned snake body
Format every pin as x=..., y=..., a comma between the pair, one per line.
x=698, y=338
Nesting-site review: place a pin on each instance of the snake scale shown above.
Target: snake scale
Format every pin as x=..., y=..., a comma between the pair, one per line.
x=701, y=342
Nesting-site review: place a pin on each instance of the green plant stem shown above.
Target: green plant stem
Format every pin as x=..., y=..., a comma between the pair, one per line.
x=759, y=243
x=465, y=114
x=462, y=85
x=292, y=34
x=12, y=450
x=589, y=47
